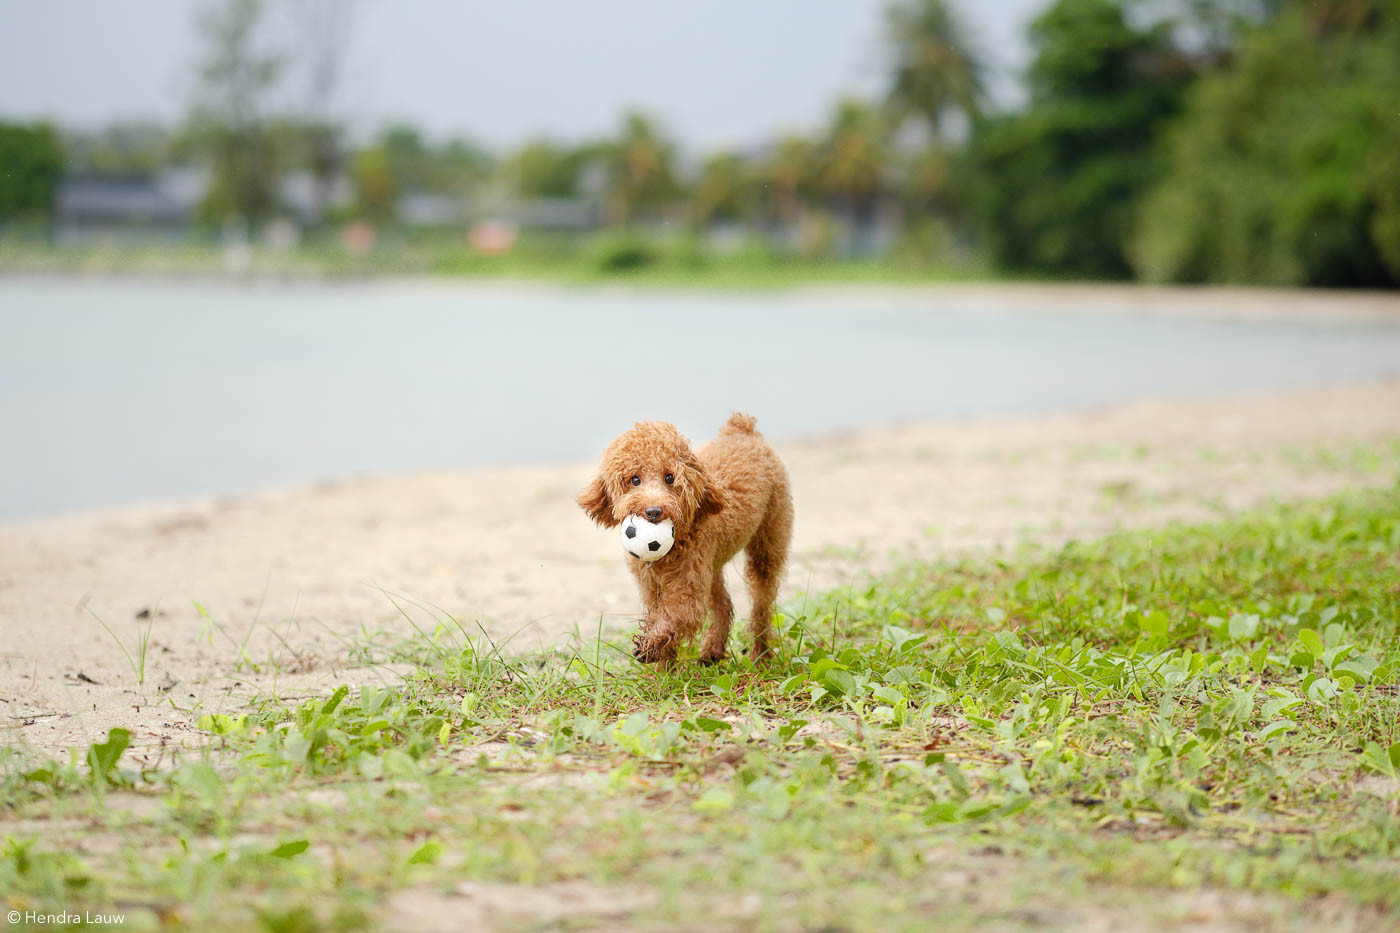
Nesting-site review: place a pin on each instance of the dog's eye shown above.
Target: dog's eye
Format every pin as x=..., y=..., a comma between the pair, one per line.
x=670, y=479
x=636, y=481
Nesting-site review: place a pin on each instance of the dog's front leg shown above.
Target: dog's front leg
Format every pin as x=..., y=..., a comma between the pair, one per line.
x=674, y=617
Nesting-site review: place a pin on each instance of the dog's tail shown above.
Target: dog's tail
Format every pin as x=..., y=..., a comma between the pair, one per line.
x=739, y=423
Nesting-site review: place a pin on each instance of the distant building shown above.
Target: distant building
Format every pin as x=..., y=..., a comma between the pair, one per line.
x=553, y=213
x=308, y=200
x=426, y=209
x=165, y=203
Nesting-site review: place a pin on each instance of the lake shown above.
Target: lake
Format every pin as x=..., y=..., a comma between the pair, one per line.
x=115, y=391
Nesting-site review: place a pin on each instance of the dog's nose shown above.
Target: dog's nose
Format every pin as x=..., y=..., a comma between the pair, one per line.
x=653, y=513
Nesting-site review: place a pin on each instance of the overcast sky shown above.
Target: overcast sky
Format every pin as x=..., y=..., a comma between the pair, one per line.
x=717, y=73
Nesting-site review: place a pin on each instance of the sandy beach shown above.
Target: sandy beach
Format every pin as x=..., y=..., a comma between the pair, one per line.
x=296, y=581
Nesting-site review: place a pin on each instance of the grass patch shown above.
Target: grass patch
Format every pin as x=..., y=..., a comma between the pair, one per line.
x=1095, y=734
x=599, y=258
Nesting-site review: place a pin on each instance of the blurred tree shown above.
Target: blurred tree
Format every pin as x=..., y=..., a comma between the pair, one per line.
x=852, y=159
x=461, y=166
x=453, y=168
x=376, y=188
x=31, y=164
x=1209, y=30
x=1285, y=168
x=541, y=169
x=642, y=179
x=120, y=149
x=724, y=191
x=935, y=70
x=788, y=177
x=408, y=159
x=926, y=181
x=324, y=28
x=1055, y=188
x=235, y=78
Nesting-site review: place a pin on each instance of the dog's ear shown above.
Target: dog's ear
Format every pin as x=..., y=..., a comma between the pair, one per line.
x=708, y=500
x=712, y=502
x=598, y=504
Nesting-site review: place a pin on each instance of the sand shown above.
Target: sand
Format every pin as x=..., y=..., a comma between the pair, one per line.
x=294, y=580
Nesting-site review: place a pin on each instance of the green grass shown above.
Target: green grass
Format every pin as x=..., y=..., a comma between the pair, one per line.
x=1097, y=734
x=575, y=260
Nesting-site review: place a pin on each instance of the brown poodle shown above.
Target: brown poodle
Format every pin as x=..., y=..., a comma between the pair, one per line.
x=731, y=495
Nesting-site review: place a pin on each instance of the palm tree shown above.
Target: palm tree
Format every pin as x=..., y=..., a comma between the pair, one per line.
x=642, y=177
x=724, y=191
x=854, y=158
x=936, y=71
x=787, y=177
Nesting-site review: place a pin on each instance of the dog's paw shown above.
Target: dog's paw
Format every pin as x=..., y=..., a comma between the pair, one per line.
x=653, y=649
x=709, y=660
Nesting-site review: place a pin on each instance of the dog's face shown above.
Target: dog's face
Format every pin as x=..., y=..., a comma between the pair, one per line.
x=650, y=471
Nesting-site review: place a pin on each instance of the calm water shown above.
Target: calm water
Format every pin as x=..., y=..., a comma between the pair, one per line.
x=113, y=392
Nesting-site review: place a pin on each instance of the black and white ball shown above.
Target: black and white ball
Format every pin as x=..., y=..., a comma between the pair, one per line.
x=646, y=540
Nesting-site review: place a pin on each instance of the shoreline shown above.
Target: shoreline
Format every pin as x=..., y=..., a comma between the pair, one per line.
x=1231, y=302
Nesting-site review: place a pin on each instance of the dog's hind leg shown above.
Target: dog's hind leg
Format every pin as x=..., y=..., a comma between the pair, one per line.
x=721, y=616
x=766, y=556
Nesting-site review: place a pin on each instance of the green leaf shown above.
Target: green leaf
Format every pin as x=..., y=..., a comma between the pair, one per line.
x=955, y=777
x=102, y=758
x=1380, y=760
x=904, y=639
x=426, y=854
x=1154, y=623
x=340, y=693
x=1335, y=655
x=290, y=849
x=706, y=724
x=714, y=800
x=1324, y=688
x=42, y=776
x=1361, y=667
x=1311, y=641
x=1276, y=728
x=839, y=681
x=1242, y=627
x=888, y=694
x=200, y=779
x=790, y=685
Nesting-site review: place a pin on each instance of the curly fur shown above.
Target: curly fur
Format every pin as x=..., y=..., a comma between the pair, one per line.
x=730, y=495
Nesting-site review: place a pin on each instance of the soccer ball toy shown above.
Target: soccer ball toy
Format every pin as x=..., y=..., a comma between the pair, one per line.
x=646, y=540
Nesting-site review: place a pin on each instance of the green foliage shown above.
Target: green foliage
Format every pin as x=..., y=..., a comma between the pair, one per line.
x=122, y=149
x=724, y=191
x=102, y=758
x=1054, y=189
x=31, y=164
x=454, y=167
x=1284, y=168
x=623, y=252
x=853, y=157
x=228, y=125
x=376, y=190
x=642, y=181
x=1116, y=722
x=541, y=169
x=935, y=70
